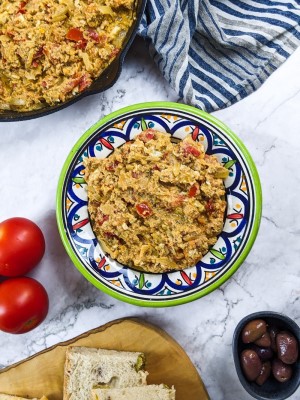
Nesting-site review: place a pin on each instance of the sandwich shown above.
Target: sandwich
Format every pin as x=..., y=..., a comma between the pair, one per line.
x=87, y=368
x=12, y=397
x=150, y=392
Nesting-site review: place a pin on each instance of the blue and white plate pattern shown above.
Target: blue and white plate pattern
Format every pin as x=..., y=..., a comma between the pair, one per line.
x=135, y=285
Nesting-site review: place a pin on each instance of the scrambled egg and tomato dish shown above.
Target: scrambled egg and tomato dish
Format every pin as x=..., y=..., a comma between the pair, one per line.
x=50, y=50
x=155, y=205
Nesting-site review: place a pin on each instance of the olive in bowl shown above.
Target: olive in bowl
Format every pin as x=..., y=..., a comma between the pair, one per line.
x=266, y=355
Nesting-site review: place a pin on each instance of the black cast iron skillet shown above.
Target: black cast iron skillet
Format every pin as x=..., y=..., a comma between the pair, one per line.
x=105, y=80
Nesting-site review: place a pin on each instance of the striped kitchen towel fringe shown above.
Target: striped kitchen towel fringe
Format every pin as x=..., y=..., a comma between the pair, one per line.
x=214, y=53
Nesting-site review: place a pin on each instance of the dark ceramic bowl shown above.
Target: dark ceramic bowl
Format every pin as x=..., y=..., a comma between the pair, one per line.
x=271, y=389
x=103, y=82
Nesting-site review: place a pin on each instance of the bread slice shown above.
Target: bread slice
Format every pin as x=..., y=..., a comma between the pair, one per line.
x=12, y=397
x=150, y=392
x=86, y=368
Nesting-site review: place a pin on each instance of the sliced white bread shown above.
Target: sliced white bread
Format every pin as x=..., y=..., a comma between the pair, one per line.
x=150, y=392
x=12, y=397
x=86, y=368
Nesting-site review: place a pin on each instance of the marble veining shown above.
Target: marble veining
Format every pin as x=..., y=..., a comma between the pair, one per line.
x=32, y=154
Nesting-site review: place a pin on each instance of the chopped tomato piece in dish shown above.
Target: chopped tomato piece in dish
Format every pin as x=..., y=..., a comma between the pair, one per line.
x=193, y=190
x=189, y=149
x=144, y=210
x=75, y=34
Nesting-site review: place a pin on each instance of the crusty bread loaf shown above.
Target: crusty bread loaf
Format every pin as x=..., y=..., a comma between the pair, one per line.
x=12, y=397
x=87, y=367
x=150, y=392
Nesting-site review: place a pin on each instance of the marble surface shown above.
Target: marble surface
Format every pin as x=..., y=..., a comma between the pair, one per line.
x=32, y=154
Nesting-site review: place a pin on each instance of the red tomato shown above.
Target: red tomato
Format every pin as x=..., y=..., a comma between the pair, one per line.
x=85, y=81
x=112, y=166
x=193, y=190
x=189, y=149
x=75, y=34
x=22, y=246
x=209, y=206
x=38, y=53
x=93, y=35
x=21, y=9
x=147, y=135
x=24, y=304
x=144, y=210
x=103, y=219
x=81, y=44
x=156, y=168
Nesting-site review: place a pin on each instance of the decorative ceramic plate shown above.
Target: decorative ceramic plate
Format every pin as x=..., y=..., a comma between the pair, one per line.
x=241, y=220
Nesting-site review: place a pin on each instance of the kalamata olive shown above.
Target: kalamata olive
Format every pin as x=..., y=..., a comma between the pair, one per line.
x=282, y=372
x=253, y=330
x=251, y=364
x=264, y=373
x=287, y=347
x=264, y=341
x=273, y=332
x=264, y=353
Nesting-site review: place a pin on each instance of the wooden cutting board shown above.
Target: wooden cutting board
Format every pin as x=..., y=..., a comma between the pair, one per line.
x=166, y=361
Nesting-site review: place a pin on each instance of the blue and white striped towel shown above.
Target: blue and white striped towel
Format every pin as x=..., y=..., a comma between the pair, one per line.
x=214, y=53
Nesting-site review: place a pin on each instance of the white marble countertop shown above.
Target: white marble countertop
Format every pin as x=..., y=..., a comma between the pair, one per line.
x=32, y=154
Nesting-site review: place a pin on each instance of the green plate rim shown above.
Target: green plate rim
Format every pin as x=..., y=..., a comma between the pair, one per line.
x=257, y=206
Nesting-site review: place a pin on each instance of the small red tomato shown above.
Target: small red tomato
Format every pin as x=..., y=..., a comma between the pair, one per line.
x=193, y=190
x=189, y=149
x=110, y=235
x=147, y=135
x=24, y=305
x=156, y=168
x=21, y=8
x=150, y=135
x=144, y=210
x=75, y=34
x=103, y=219
x=85, y=81
x=114, y=52
x=81, y=44
x=22, y=246
x=135, y=174
x=209, y=206
x=93, y=35
x=112, y=166
x=38, y=53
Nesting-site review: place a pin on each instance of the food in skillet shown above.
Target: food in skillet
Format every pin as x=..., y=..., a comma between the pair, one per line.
x=51, y=50
x=155, y=205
